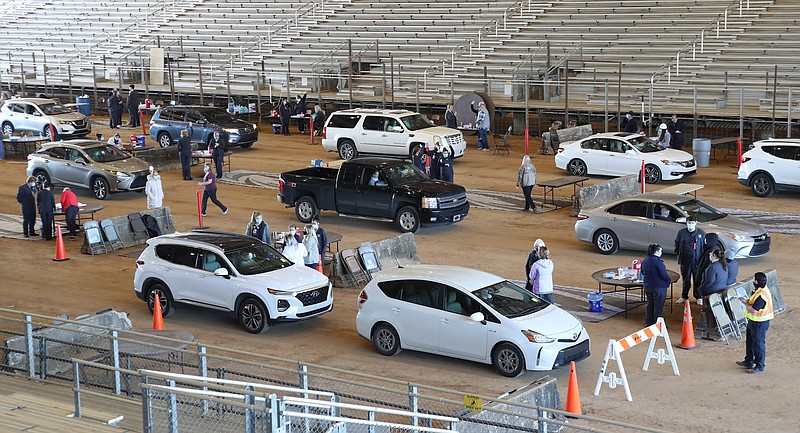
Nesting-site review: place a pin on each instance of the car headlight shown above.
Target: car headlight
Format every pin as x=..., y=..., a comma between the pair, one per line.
x=535, y=337
x=231, y=131
x=437, y=140
x=119, y=173
x=278, y=292
x=737, y=237
x=430, y=202
x=668, y=162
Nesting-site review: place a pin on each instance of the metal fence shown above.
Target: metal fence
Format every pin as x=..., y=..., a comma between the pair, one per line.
x=89, y=356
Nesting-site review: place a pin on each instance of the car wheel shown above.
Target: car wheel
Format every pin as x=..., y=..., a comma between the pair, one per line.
x=577, y=167
x=164, y=298
x=253, y=316
x=386, y=340
x=46, y=132
x=606, y=242
x=762, y=185
x=305, y=209
x=407, y=219
x=100, y=188
x=8, y=128
x=652, y=174
x=508, y=360
x=347, y=150
x=164, y=140
x=41, y=178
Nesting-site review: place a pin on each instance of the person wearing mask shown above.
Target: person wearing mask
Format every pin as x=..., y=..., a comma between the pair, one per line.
x=542, y=275
x=446, y=166
x=483, y=124
x=319, y=120
x=295, y=233
x=450, y=120
x=185, y=152
x=655, y=281
x=688, y=248
x=733, y=267
x=153, y=190
x=630, y=124
x=759, y=313
x=115, y=141
x=26, y=197
x=209, y=185
x=218, y=145
x=532, y=258
x=711, y=243
x=676, y=127
x=133, y=106
x=113, y=102
x=257, y=228
x=664, y=137
x=375, y=180
x=322, y=238
x=310, y=242
x=434, y=154
x=526, y=178
x=715, y=275
x=69, y=205
x=418, y=158
x=285, y=114
x=300, y=109
x=47, y=205
x=295, y=251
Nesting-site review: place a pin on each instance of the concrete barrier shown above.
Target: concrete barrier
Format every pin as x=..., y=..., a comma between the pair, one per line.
x=162, y=158
x=596, y=195
x=393, y=252
x=126, y=234
x=564, y=135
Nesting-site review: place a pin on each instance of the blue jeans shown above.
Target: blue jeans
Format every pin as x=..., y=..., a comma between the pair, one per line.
x=483, y=140
x=756, y=346
x=547, y=297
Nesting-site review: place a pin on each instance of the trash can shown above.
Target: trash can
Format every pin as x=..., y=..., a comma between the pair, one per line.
x=276, y=128
x=701, y=148
x=596, y=302
x=85, y=108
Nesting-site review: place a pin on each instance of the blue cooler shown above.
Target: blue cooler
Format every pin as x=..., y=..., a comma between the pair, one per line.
x=85, y=109
x=596, y=302
x=276, y=128
x=140, y=140
x=316, y=163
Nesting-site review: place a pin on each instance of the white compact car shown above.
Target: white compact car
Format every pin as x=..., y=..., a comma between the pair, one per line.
x=771, y=165
x=622, y=153
x=468, y=314
x=229, y=272
x=35, y=115
x=386, y=133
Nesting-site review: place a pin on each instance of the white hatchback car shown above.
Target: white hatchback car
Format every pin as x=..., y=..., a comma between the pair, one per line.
x=622, y=153
x=386, y=133
x=229, y=272
x=468, y=314
x=771, y=165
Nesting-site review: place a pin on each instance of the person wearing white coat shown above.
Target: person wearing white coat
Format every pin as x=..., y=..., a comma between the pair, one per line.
x=294, y=251
x=155, y=194
x=542, y=275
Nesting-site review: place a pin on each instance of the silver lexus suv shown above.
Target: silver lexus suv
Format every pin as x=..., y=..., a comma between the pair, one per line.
x=35, y=115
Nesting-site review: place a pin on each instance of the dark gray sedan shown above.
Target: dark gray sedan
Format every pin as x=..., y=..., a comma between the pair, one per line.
x=635, y=222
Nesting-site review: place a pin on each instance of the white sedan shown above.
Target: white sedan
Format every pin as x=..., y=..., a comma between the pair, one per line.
x=622, y=153
x=468, y=314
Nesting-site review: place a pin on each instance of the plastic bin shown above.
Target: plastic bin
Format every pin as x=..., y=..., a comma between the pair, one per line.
x=701, y=148
x=140, y=140
x=316, y=163
x=595, y=302
x=276, y=128
x=85, y=109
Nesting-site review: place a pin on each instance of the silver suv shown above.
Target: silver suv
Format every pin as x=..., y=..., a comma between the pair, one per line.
x=35, y=115
x=89, y=164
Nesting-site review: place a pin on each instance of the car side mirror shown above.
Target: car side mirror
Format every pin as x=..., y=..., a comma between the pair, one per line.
x=630, y=152
x=397, y=129
x=201, y=122
x=81, y=160
x=36, y=113
x=478, y=317
x=221, y=272
x=681, y=220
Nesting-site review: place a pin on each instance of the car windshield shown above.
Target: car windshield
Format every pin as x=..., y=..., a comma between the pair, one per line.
x=510, y=300
x=106, y=154
x=257, y=259
x=217, y=116
x=701, y=210
x=645, y=145
x=403, y=174
x=50, y=109
x=416, y=121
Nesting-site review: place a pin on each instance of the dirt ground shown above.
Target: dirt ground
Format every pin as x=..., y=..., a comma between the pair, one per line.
x=712, y=394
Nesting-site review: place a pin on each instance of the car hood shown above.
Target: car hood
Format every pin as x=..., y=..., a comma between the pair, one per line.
x=69, y=116
x=289, y=279
x=671, y=154
x=130, y=165
x=552, y=322
x=432, y=188
x=730, y=223
x=437, y=130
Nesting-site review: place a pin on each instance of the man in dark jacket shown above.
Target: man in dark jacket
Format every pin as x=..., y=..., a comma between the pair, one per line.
x=26, y=197
x=133, y=106
x=185, y=152
x=532, y=258
x=655, y=282
x=675, y=128
x=322, y=238
x=47, y=206
x=629, y=124
x=688, y=247
x=285, y=114
x=218, y=145
x=450, y=119
x=300, y=108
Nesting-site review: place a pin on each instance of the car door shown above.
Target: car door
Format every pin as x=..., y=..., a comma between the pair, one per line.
x=23, y=117
x=458, y=335
x=594, y=153
x=396, y=142
x=374, y=200
x=53, y=161
x=784, y=163
x=347, y=188
x=76, y=168
x=211, y=289
x=174, y=121
x=628, y=220
x=663, y=230
x=620, y=162
x=372, y=134
x=415, y=315
x=180, y=272
x=197, y=126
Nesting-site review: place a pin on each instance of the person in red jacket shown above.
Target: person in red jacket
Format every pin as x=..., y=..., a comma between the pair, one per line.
x=69, y=205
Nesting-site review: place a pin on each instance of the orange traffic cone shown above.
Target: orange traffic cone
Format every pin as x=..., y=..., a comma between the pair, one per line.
x=687, y=333
x=158, y=319
x=319, y=265
x=61, y=252
x=573, y=396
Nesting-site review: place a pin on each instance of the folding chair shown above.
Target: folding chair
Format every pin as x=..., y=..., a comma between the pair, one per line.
x=369, y=257
x=95, y=238
x=111, y=234
x=503, y=146
x=737, y=311
x=724, y=324
x=137, y=225
x=353, y=266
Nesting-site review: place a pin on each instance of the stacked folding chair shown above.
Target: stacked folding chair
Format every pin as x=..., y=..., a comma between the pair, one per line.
x=737, y=311
x=111, y=234
x=94, y=237
x=724, y=324
x=353, y=265
x=369, y=258
x=137, y=225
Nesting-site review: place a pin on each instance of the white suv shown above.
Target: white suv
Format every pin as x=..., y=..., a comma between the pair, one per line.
x=771, y=165
x=386, y=133
x=35, y=115
x=229, y=272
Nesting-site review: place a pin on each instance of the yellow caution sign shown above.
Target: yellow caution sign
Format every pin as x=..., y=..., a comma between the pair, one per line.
x=474, y=402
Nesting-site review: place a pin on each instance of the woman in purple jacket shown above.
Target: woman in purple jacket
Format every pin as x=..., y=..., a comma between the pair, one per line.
x=656, y=280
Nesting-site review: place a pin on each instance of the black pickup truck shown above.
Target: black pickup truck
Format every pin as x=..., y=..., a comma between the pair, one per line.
x=400, y=193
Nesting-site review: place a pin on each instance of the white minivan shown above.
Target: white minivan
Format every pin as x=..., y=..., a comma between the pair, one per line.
x=386, y=133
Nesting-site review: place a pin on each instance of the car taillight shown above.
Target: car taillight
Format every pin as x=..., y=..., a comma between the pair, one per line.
x=280, y=185
x=362, y=297
x=139, y=262
x=152, y=122
x=560, y=149
x=324, y=133
x=745, y=159
x=582, y=216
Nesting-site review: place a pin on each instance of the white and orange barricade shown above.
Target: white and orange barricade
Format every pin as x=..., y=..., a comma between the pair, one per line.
x=616, y=347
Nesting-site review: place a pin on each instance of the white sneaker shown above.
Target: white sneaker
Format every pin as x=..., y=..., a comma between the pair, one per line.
x=225, y=212
x=700, y=301
x=680, y=300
